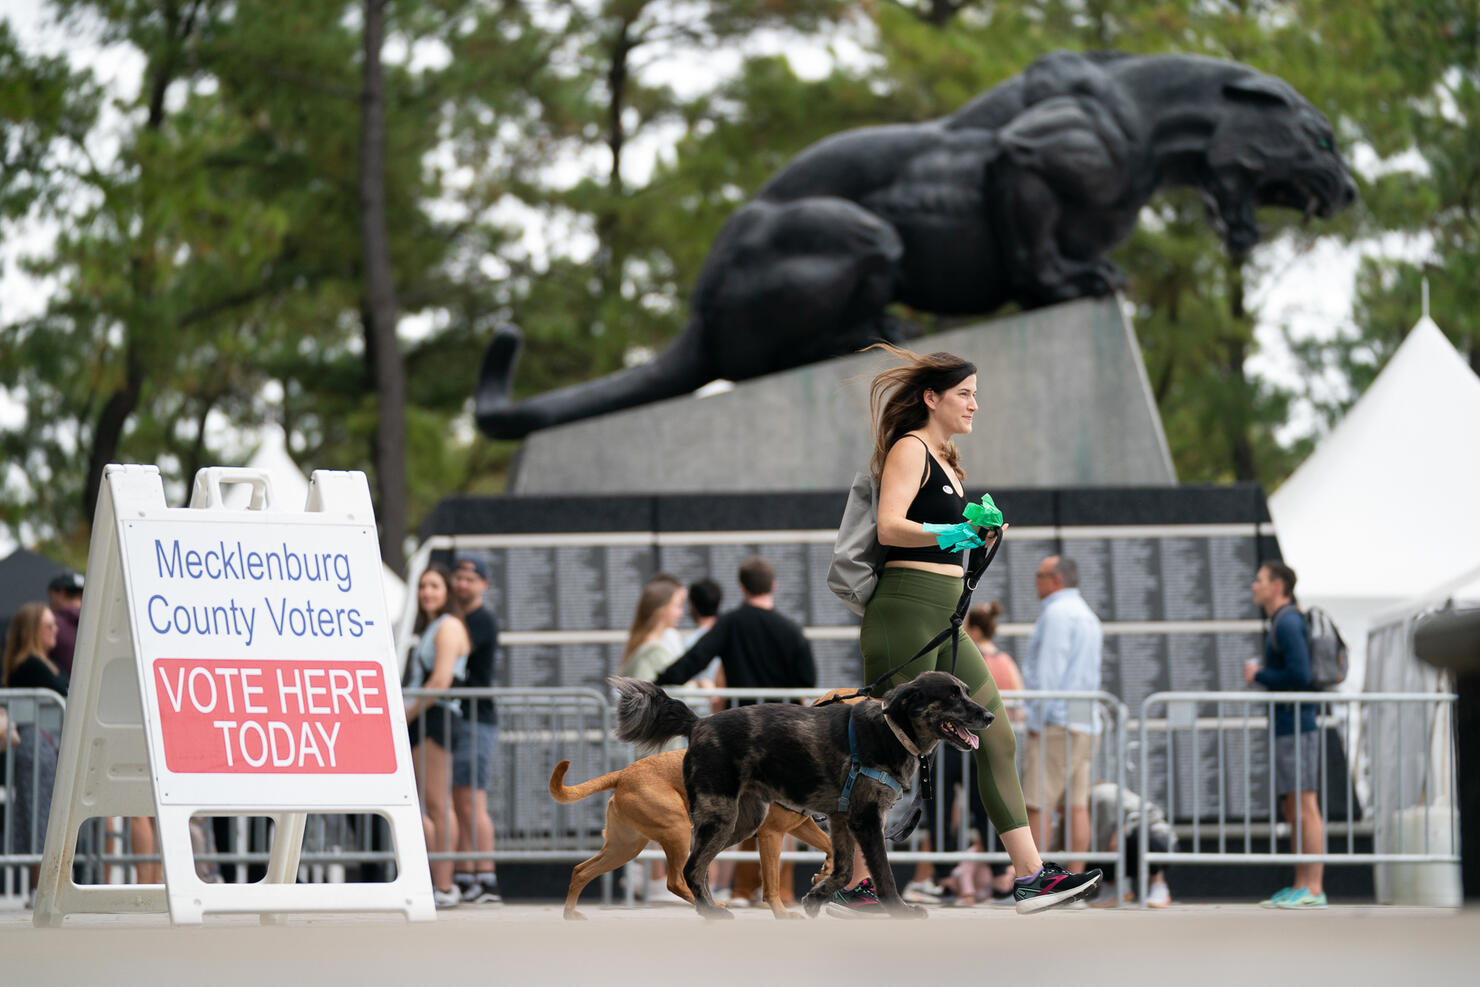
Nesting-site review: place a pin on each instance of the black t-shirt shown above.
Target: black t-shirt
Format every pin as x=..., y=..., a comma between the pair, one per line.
x=482, y=661
x=33, y=674
x=759, y=648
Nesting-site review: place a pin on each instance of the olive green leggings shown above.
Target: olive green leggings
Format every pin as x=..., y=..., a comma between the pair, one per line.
x=909, y=608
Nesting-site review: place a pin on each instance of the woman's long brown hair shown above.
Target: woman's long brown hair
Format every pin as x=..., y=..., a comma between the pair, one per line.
x=23, y=640
x=422, y=617
x=656, y=595
x=896, y=399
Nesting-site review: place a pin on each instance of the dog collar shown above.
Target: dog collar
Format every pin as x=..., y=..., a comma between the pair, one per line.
x=856, y=768
x=909, y=745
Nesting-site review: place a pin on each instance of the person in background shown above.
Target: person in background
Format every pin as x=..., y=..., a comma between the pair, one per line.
x=654, y=623
x=1103, y=798
x=31, y=635
x=475, y=735
x=981, y=627
x=64, y=596
x=1064, y=654
x=758, y=648
x=439, y=661
x=659, y=609
x=1286, y=668
x=705, y=597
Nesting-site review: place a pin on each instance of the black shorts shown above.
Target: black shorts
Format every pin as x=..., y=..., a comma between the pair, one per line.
x=433, y=725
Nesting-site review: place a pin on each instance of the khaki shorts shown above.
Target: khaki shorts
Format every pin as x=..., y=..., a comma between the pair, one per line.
x=1044, y=778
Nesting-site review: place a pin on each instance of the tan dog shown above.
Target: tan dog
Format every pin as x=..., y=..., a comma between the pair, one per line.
x=649, y=803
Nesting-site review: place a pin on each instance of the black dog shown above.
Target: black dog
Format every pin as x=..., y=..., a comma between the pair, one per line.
x=741, y=760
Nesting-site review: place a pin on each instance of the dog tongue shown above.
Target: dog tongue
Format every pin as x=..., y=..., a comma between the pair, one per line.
x=967, y=737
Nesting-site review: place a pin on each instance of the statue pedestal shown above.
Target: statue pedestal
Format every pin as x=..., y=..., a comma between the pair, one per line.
x=1063, y=395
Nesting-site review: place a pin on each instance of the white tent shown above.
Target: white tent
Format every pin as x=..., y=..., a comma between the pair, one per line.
x=290, y=489
x=1388, y=506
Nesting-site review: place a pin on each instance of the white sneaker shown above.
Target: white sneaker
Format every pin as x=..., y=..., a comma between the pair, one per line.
x=446, y=899
x=922, y=893
x=1159, y=896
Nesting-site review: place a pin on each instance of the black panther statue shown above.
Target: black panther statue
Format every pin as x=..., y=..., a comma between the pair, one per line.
x=1016, y=197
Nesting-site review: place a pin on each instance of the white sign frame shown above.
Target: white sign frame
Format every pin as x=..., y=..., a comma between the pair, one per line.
x=113, y=759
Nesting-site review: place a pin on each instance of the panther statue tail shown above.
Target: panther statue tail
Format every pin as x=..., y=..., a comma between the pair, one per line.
x=679, y=369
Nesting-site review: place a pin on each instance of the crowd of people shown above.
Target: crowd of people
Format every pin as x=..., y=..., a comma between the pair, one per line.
x=918, y=408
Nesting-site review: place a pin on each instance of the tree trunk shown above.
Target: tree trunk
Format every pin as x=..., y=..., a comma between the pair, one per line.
x=109, y=431
x=1240, y=447
x=610, y=253
x=122, y=403
x=382, y=350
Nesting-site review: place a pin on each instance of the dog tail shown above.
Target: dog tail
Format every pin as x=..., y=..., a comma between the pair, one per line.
x=561, y=792
x=648, y=715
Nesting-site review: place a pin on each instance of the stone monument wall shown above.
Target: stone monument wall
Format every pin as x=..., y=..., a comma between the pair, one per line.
x=1063, y=394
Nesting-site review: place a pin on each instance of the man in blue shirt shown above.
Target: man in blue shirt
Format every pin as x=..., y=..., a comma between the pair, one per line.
x=1286, y=668
x=1063, y=655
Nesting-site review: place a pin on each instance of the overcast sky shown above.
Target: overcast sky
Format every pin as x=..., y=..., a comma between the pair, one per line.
x=1309, y=292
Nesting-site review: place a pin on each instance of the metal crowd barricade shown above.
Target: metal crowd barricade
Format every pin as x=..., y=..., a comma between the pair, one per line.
x=1231, y=735
x=537, y=728
x=28, y=749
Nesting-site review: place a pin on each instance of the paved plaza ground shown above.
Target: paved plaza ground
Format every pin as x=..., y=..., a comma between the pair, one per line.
x=530, y=944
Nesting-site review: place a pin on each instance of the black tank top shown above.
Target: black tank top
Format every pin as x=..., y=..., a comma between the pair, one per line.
x=936, y=501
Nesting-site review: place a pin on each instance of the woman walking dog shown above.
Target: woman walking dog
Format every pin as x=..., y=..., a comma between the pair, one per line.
x=917, y=408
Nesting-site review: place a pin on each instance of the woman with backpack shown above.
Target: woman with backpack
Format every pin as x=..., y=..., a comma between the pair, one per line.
x=917, y=408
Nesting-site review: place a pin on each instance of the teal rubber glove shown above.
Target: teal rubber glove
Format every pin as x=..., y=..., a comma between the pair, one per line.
x=985, y=514
x=955, y=537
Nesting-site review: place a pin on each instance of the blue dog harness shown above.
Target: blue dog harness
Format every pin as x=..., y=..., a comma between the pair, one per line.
x=856, y=768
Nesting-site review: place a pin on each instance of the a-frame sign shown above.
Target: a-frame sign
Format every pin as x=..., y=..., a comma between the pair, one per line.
x=233, y=662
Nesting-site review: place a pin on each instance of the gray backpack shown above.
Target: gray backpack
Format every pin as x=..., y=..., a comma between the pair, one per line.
x=857, y=554
x=1328, y=652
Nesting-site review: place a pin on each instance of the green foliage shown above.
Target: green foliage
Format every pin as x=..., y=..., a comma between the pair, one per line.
x=1422, y=97
x=551, y=164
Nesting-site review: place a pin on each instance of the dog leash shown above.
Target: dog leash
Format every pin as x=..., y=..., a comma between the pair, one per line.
x=977, y=563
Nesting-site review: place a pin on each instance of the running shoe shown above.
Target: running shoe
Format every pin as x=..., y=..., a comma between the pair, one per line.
x=859, y=902
x=923, y=893
x=1051, y=886
x=1304, y=899
x=446, y=899
x=483, y=891
x=1160, y=896
x=1273, y=901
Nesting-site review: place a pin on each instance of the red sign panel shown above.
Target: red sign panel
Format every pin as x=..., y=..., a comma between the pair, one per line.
x=249, y=716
